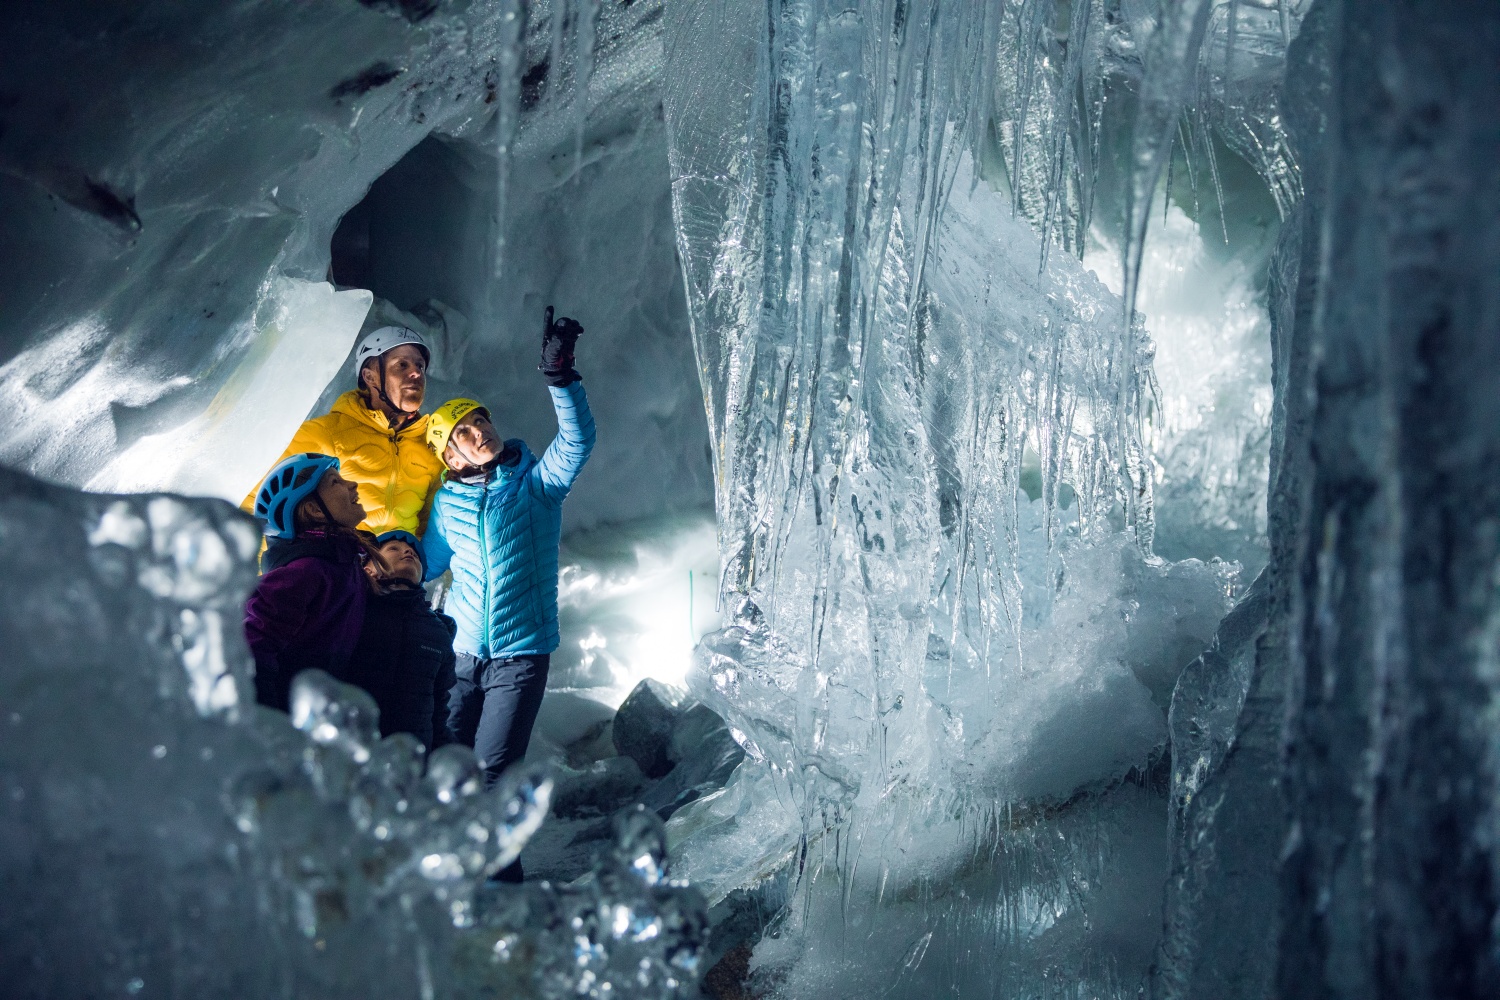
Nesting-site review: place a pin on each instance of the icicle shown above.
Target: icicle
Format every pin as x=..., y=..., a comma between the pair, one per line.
x=1188, y=138
x=1213, y=173
x=558, y=24
x=1030, y=17
x=507, y=100
x=1171, y=163
x=1233, y=16
x=584, y=40
x=1170, y=66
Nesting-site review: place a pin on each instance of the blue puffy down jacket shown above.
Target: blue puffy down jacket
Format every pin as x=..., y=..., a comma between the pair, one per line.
x=500, y=537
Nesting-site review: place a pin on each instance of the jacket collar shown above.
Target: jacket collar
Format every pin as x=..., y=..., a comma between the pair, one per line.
x=352, y=404
x=401, y=592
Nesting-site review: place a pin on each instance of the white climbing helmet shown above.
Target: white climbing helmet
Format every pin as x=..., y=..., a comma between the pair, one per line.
x=377, y=342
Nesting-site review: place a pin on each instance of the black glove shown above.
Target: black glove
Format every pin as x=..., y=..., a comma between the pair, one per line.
x=558, y=340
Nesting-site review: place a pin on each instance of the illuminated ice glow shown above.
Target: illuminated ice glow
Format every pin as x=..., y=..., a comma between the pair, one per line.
x=640, y=611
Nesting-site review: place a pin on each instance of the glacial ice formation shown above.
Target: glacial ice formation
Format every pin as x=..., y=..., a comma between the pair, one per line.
x=938, y=679
x=1009, y=343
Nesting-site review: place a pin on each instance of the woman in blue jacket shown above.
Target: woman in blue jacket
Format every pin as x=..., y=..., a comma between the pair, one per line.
x=496, y=522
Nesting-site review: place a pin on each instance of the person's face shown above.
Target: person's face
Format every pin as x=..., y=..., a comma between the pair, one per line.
x=341, y=497
x=473, y=442
x=402, y=561
x=405, y=377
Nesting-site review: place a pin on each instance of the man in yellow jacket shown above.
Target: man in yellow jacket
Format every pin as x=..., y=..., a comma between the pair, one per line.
x=378, y=432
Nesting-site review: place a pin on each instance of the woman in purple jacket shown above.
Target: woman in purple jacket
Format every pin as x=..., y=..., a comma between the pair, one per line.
x=308, y=608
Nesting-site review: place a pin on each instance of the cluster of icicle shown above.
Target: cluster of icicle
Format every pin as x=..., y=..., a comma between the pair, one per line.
x=882, y=356
x=814, y=154
x=1202, y=68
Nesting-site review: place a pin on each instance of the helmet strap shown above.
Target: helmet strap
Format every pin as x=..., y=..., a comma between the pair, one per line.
x=323, y=507
x=470, y=466
x=395, y=416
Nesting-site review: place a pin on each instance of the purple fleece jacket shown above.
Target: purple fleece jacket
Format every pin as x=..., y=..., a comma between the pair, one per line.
x=305, y=613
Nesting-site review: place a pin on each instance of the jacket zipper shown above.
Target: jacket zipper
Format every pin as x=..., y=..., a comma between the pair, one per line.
x=484, y=567
x=395, y=460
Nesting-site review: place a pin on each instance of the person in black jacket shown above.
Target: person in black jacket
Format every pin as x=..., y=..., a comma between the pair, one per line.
x=404, y=656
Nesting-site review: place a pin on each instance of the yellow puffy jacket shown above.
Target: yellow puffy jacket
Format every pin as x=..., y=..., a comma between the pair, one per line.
x=397, y=473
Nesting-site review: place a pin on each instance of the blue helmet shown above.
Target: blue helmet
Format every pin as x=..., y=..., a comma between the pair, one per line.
x=293, y=480
x=400, y=535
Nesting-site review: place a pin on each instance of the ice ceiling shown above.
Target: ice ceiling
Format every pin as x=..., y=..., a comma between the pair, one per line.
x=1069, y=427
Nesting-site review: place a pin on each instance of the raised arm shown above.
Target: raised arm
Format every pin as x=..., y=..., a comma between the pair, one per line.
x=568, y=451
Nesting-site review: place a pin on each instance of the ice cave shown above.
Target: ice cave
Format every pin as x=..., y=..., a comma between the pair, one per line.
x=1042, y=539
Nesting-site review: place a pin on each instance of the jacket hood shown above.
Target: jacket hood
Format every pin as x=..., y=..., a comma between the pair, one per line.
x=352, y=404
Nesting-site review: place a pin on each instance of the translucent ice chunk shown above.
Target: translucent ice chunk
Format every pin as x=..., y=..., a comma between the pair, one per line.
x=271, y=860
x=335, y=714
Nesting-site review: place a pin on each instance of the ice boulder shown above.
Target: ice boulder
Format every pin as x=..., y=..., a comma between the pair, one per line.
x=643, y=728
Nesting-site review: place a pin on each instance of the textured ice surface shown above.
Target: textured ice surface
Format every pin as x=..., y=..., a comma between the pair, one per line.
x=162, y=837
x=1385, y=512
x=163, y=166
x=1225, y=744
x=1205, y=309
x=304, y=331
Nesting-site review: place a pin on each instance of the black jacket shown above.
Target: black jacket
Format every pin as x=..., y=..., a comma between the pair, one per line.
x=404, y=658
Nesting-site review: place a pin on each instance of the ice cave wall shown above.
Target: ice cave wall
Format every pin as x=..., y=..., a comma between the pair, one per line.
x=1389, y=881
x=172, y=177
x=1365, y=686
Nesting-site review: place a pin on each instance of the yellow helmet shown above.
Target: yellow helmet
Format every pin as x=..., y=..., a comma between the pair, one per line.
x=446, y=417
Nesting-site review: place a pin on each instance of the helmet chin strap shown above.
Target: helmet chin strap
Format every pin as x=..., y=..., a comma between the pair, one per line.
x=323, y=507
x=405, y=418
x=463, y=453
x=471, y=467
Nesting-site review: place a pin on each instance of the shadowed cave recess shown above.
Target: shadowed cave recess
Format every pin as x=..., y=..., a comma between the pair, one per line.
x=1043, y=539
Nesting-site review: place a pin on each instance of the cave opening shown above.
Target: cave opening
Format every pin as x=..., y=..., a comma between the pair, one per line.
x=423, y=230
